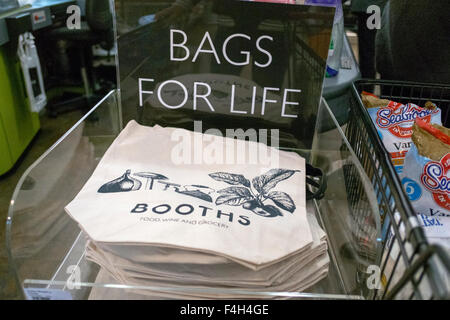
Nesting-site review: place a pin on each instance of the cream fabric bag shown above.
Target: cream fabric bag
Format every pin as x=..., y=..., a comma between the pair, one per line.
x=299, y=276
x=312, y=273
x=98, y=293
x=220, y=274
x=139, y=196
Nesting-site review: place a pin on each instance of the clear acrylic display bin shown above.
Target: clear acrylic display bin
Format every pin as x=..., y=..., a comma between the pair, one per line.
x=47, y=248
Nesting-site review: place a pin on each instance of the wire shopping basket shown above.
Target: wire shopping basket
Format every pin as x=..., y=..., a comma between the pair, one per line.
x=410, y=267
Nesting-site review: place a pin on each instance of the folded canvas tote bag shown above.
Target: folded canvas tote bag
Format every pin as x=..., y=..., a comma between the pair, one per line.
x=230, y=276
x=283, y=277
x=298, y=280
x=143, y=255
x=141, y=195
x=220, y=274
x=99, y=293
x=313, y=272
x=310, y=272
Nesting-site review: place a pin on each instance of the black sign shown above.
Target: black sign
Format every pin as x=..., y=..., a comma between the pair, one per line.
x=229, y=64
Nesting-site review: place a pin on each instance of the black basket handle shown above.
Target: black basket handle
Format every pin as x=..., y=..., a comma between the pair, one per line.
x=320, y=184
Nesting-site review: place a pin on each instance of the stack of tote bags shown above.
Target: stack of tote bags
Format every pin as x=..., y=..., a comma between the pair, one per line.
x=157, y=213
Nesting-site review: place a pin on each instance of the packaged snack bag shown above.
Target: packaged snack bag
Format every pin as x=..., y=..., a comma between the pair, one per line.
x=394, y=123
x=425, y=179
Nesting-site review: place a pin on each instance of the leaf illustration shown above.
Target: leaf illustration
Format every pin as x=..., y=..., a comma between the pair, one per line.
x=283, y=200
x=231, y=200
x=230, y=178
x=234, y=196
x=236, y=190
x=267, y=181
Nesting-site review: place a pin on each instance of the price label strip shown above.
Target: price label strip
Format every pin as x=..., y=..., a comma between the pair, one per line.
x=47, y=294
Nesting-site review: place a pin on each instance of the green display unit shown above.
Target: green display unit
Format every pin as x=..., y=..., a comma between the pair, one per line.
x=18, y=125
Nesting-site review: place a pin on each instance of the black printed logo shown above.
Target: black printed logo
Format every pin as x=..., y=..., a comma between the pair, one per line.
x=242, y=192
x=132, y=182
x=252, y=195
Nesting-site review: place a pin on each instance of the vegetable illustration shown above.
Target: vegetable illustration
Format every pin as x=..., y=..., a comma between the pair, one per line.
x=150, y=176
x=250, y=205
x=168, y=185
x=242, y=193
x=197, y=191
x=122, y=184
x=267, y=211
